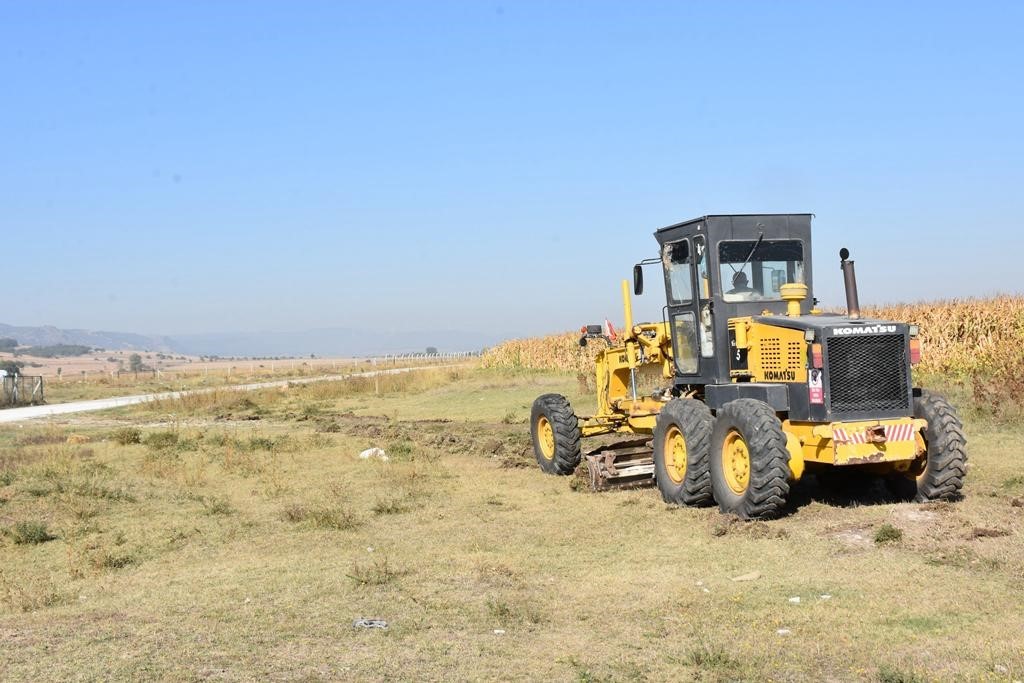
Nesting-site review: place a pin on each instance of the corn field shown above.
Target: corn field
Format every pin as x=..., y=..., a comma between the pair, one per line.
x=959, y=337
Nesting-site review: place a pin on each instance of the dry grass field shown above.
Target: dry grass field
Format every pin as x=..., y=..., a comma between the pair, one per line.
x=105, y=382
x=237, y=537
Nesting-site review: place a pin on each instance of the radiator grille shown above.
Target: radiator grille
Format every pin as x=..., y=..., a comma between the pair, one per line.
x=868, y=373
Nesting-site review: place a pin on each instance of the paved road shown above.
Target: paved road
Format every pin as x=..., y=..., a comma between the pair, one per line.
x=35, y=412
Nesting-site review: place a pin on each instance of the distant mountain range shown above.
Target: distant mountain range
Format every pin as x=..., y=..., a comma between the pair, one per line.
x=49, y=336
x=322, y=342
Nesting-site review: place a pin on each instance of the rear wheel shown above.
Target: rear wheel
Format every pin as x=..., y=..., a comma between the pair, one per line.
x=556, y=434
x=682, y=437
x=945, y=465
x=749, y=460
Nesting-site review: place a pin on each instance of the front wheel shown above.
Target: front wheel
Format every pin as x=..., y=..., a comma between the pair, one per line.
x=556, y=434
x=749, y=460
x=682, y=436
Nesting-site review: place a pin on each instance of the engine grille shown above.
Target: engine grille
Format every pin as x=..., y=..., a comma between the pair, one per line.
x=868, y=373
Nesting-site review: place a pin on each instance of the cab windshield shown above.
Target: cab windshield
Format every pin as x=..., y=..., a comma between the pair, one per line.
x=754, y=270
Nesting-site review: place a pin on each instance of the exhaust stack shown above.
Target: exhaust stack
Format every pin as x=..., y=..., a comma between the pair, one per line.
x=850, y=280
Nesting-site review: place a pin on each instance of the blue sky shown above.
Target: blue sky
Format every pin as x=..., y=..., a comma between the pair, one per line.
x=191, y=167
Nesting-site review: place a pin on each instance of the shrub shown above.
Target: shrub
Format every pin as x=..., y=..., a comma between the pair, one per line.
x=30, y=533
x=127, y=436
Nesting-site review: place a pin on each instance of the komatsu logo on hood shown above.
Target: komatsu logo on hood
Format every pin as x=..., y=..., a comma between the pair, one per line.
x=867, y=329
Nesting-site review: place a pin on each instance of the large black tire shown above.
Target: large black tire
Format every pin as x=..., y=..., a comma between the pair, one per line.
x=946, y=457
x=754, y=483
x=682, y=440
x=556, y=434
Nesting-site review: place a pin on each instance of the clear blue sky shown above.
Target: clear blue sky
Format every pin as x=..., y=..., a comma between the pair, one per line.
x=186, y=167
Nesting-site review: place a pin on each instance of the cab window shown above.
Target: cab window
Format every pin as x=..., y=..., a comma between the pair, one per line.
x=676, y=257
x=754, y=270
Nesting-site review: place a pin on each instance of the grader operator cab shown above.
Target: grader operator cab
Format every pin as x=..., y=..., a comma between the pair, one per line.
x=744, y=386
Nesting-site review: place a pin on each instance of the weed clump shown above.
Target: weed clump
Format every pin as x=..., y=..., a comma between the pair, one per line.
x=378, y=573
x=217, y=505
x=115, y=559
x=890, y=674
x=711, y=658
x=126, y=436
x=322, y=517
x=400, y=449
x=390, y=506
x=161, y=441
x=31, y=532
x=887, y=533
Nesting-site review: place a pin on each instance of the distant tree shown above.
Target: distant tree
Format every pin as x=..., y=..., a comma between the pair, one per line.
x=55, y=351
x=135, y=363
x=8, y=344
x=431, y=350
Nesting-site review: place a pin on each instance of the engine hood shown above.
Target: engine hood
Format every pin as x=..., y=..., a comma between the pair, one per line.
x=834, y=325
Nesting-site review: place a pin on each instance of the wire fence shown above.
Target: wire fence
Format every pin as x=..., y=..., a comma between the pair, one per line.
x=21, y=390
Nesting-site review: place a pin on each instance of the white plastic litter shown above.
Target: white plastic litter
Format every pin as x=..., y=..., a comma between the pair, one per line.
x=784, y=632
x=369, y=623
x=499, y=631
x=373, y=453
x=795, y=600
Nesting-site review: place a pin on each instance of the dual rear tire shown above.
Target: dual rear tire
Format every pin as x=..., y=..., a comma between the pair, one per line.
x=737, y=459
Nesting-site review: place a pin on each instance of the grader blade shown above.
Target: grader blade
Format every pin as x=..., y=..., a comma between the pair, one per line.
x=621, y=466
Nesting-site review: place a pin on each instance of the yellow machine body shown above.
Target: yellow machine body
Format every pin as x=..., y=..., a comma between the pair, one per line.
x=633, y=379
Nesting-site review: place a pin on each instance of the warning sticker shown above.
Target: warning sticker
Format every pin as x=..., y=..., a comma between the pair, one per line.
x=814, y=386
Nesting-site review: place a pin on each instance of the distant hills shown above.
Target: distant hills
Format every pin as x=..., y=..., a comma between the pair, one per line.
x=321, y=342
x=114, y=341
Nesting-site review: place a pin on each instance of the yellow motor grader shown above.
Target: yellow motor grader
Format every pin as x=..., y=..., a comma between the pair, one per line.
x=744, y=385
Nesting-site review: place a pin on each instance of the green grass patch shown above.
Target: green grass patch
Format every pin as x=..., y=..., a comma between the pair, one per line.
x=887, y=533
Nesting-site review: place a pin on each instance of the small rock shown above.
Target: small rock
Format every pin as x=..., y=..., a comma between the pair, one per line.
x=795, y=600
x=750, y=576
x=784, y=632
x=499, y=631
x=1000, y=669
x=705, y=590
x=373, y=453
x=369, y=548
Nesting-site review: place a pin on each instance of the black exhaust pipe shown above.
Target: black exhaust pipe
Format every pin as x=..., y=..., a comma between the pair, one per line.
x=850, y=280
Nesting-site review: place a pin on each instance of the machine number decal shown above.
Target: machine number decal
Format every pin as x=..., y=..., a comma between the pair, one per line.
x=737, y=357
x=815, y=388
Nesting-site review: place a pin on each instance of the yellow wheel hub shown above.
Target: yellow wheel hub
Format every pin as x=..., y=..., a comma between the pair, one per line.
x=736, y=462
x=675, y=455
x=546, y=438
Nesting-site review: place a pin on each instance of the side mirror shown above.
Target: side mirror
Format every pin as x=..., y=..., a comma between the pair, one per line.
x=638, y=280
